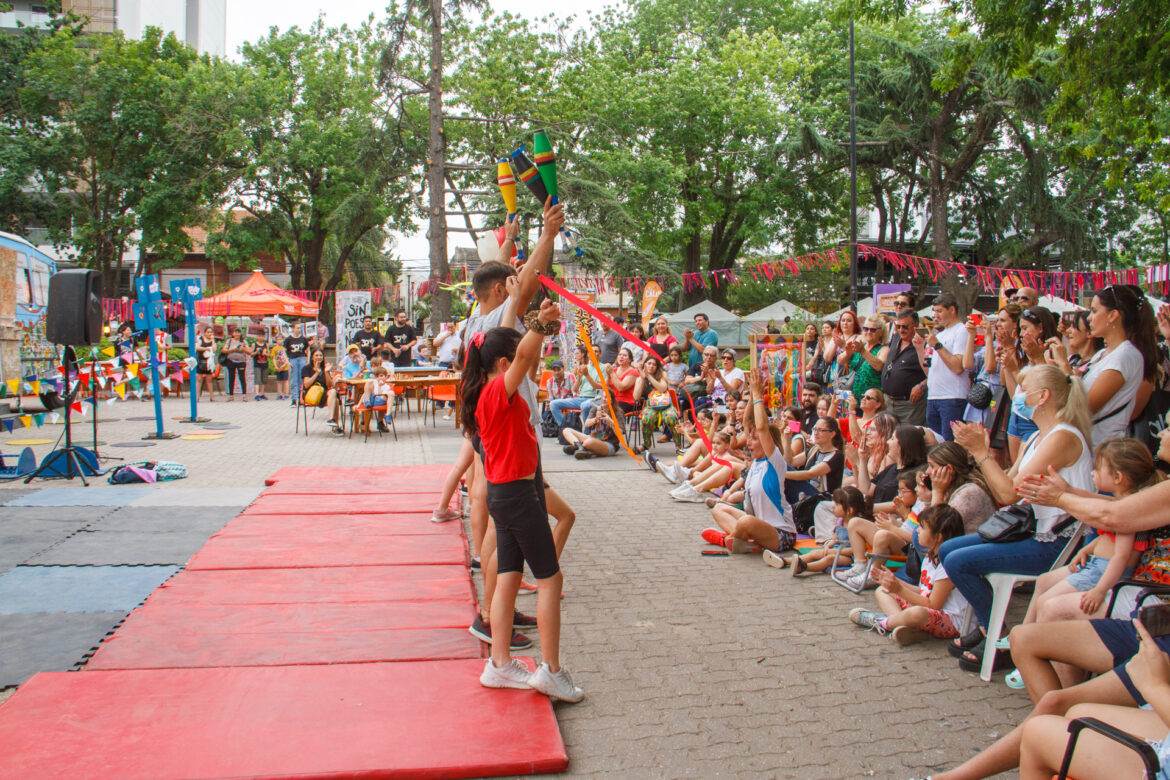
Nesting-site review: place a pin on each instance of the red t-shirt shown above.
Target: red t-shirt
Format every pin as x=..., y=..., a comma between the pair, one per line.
x=624, y=396
x=510, y=449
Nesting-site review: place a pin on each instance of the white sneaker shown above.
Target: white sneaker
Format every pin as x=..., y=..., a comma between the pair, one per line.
x=861, y=581
x=683, y=472
x=853, y=571
x=670, y=471
x=680, y=490
x=557, y=685
x=688, y=493
x=513, y=675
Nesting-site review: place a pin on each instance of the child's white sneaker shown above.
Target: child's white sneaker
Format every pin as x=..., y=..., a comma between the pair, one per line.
x=512, y=675
x=557, y=685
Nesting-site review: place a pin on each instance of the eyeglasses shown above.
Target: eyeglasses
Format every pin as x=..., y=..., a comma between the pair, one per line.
x=868, y=398
x=868, y=329
x=729, y=357
x=822, y=430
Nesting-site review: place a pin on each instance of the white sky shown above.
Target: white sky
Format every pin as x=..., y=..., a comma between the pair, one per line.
x=249, y=20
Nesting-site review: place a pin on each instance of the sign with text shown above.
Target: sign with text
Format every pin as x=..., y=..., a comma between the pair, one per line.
x=352, y=307
x=884, y=296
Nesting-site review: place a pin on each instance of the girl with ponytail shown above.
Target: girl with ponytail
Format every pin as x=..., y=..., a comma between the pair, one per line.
x=496, y=417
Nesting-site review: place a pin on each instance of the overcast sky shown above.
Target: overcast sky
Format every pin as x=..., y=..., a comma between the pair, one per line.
x=248, y=20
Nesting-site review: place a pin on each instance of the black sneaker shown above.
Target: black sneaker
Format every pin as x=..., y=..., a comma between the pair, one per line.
x=569, y=449
x=584, y=454
x=382, y=427
x=483, y=632
x=651, y=461
x=520, y=620
x=475, y=566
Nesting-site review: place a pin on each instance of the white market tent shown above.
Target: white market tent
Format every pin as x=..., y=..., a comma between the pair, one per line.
x=726, y=324
x=778, y=311
x=864, y=309
x=1058, y=306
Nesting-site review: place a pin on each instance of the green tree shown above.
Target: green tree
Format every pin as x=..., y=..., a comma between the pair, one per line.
x=328, y=157
x=121, y=138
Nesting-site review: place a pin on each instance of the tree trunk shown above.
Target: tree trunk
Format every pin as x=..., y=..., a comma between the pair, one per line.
x=437, y=232
x=940, y=239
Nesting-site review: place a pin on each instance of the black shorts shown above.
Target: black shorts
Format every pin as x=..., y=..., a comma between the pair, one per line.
x=1120, y=638
x=522, y=532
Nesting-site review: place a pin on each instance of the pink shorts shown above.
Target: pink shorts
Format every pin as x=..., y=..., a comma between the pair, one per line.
x=938, y=623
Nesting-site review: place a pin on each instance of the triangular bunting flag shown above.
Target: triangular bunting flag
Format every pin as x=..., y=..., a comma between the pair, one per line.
x=54, y=417
x=76, y=406
x=132, y=369
x=40, y=419
x=13, y=386
x=108, y=351
x=36, y=387
x=111, y=401
x=26, y=420
x=139, y=394
x=9, y=425
x=120, y=389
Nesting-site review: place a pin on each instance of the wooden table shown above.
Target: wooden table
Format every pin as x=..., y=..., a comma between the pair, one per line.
x=406, y=381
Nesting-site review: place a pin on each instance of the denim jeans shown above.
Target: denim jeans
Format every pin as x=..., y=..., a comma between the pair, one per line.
x=562, y=405
x=968, y=558
x=296, y=381
x=941, y=412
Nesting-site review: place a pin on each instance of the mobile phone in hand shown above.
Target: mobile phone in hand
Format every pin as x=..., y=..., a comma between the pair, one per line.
x=794, y=426
x=923, y=332
x=1156, y=619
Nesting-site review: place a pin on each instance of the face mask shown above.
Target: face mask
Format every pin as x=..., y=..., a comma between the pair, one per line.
x=1020, y=405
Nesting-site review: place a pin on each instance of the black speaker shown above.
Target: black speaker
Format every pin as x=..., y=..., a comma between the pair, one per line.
x=75, y=307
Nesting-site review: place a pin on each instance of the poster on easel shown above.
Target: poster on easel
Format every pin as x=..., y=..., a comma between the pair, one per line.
x=352, y=306
x=780, y=361
x=574, y=318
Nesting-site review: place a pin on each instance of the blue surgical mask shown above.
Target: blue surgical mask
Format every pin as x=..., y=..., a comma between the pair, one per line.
x=1020, y=405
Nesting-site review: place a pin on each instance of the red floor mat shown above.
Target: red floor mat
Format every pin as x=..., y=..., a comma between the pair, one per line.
x=408, y=475
x=340, y=584
x=205, y=620
x=162, y=651
x=363, y=504
x=408, y=524
x=327, y=549
x=333, y=487
x=321, y=721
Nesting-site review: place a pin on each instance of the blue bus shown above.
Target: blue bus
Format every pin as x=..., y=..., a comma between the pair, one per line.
x=33, y=268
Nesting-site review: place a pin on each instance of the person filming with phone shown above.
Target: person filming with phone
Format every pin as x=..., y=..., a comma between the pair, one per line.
x=947, y=383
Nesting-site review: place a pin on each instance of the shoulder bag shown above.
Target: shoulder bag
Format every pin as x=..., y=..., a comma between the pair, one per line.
x=1013, y=523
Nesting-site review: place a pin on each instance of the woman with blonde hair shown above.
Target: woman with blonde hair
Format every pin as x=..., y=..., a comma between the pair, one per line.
x=1056, y=403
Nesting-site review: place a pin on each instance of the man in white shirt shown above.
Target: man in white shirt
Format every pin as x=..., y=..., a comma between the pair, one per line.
x=947, y=383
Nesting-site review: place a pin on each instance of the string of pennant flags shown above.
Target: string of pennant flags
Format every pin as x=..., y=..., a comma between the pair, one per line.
x=1155, y=278
x=123, y=374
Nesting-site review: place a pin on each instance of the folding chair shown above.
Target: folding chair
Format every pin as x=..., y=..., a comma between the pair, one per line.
x=26, y=464
x=303, y=413
x=633, y=421
x=881, y=559
x=1002, y=585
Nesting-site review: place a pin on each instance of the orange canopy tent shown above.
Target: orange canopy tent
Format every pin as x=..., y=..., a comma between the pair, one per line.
x=257, y=295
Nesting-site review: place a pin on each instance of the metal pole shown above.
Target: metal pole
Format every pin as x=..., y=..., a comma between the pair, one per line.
x=852, y=174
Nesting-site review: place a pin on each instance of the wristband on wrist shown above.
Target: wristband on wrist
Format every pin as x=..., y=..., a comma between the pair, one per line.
x=979, y=463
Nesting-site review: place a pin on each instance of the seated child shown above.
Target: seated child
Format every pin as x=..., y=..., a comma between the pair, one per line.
x=935, y=607
x=707, y=475
x=377, y=392
x=598, y=440
x=848, y=502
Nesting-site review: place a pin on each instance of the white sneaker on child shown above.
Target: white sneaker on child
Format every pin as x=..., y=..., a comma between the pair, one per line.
x=688, y=493
x=512, y=675
x=668, y=470
x=558, y=685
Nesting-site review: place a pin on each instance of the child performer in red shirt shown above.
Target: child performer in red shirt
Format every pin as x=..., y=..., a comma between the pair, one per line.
x=498, y=417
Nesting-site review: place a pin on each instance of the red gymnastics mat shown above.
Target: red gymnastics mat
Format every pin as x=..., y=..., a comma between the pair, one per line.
x=408, y=476
x=215, y=619
x=182, y=651
x=334, y=487
x=338, y=584
x=405, y=720
x=361, y=504
x=406, y=524
x=323, y=548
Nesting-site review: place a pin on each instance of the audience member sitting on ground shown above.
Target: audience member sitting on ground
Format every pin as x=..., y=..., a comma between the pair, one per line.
x=598, y=440
x=766, y=518
x=869, y=456
x=847, y=504
x=658, y=412
x=724, y=379
x=792, y=441
x=708, y=474
x=932, y=608
x=319, y=373
x=872, y=403
x=823, y=466
x=1057, y=405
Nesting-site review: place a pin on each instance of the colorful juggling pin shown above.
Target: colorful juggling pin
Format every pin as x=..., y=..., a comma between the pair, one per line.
x=546, y=162
x=507, y=184
x=529, y=175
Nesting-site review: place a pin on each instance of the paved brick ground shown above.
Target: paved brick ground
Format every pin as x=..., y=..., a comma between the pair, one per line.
x=692, y=666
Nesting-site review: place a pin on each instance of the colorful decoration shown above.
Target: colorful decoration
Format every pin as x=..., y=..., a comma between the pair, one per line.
x=780, y=361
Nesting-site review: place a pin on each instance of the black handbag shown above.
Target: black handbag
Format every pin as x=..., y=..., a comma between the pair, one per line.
x=221, y=358
x=802, y=511
x=1013, y=523
x=979, y=396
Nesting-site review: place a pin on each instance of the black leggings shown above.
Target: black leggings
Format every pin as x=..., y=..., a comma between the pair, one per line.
x=234, y=369
x=522, y=533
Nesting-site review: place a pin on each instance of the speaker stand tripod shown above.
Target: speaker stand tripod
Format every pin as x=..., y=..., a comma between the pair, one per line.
x=74, y=465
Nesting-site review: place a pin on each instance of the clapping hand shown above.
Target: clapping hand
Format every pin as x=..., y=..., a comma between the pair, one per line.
x=883, y=576
x=972, y=437
x=1043, y=489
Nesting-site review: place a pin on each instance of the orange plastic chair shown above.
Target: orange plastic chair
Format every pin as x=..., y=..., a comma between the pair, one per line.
x=439, y=394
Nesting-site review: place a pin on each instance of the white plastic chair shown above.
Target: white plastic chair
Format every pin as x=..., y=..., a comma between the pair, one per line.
x=1002, y=586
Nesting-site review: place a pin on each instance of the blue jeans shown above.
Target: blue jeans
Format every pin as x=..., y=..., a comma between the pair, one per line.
x=968, y=558
x=562, y=405
x=296, y=381
x=941, y=412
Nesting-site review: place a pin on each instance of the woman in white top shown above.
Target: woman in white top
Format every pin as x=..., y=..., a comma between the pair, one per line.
x=1056, y=403
x=1121, y=375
